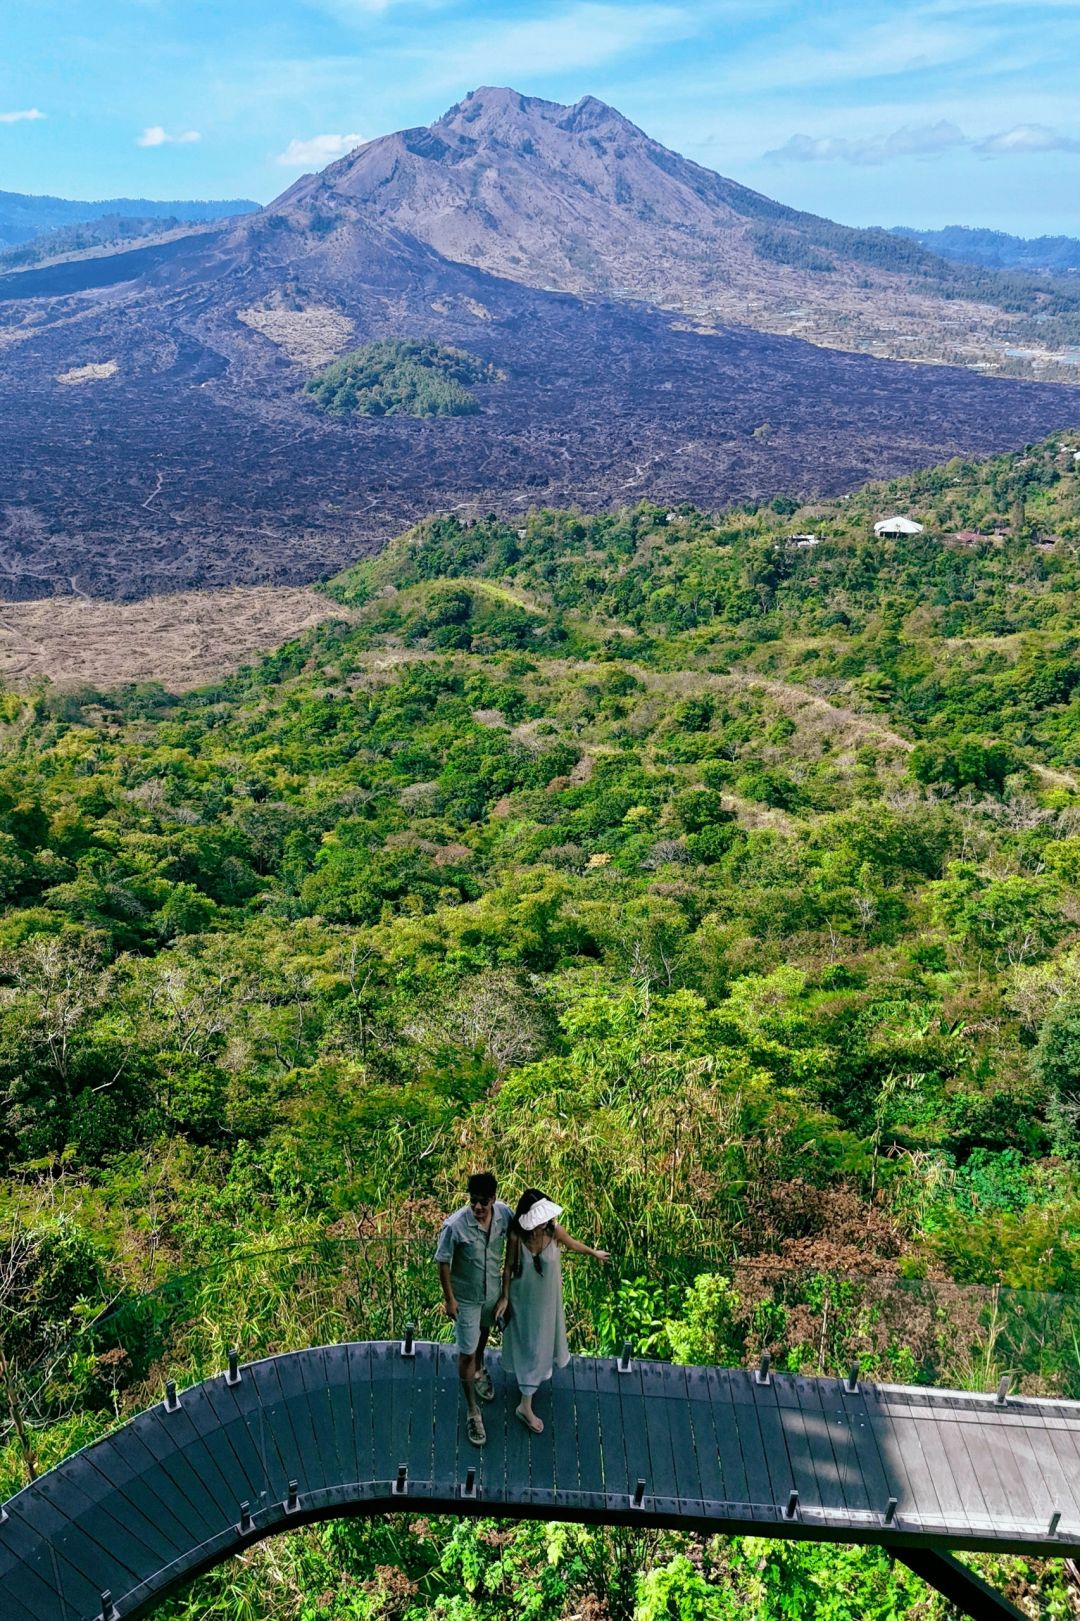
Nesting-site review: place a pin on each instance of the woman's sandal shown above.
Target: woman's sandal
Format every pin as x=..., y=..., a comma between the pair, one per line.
x=534, y=1425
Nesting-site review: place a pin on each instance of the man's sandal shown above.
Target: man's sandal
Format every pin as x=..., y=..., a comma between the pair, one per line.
x=474, y=1429
x=483, y=1386
x=534, y=1424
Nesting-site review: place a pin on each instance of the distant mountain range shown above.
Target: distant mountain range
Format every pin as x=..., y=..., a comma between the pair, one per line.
x=23, y=217
x=997, y=250
x=154, y=426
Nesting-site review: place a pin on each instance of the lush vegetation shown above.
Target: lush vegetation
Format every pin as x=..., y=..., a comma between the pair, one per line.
x=728, y=887
x=401, y=377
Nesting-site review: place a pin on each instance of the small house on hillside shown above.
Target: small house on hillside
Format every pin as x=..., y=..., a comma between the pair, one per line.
x=897, y=526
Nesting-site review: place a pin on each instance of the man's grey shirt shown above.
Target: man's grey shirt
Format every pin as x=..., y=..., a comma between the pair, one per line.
x=474, y=1253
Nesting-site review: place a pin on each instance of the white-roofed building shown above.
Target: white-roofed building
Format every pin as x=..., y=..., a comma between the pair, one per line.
x=897, y=526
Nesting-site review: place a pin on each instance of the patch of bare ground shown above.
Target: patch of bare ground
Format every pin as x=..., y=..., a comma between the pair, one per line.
x=310, y=337
x=183, y=641
x=90, y=373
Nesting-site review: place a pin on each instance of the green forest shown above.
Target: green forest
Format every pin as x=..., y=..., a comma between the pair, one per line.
x=718, y=873
x=401, y=377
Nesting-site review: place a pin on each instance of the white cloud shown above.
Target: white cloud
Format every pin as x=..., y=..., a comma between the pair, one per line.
x=317, y=150
x=154, y=135
x=21, y=118
x=583, y=35
x=921, y=141
x=913, y=140
x=1023, y=139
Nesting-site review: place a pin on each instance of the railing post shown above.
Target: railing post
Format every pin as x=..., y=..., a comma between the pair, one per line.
x=233, y=1376
x=1002, y=1397
x=109, y=1612
x=851, y=1383
x=292, y=1501
x=1055, y=1521
x=408, y=1346
x=172, y=1400
x=401, y=1484
x=626, y=1357
x=638, y=1499
x=792, y=1506
x=246, y=1522
x=763, y=1376
x=890, y=1511
x=469, y=1488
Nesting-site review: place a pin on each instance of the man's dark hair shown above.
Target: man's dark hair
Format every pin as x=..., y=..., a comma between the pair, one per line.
x=482, y=1185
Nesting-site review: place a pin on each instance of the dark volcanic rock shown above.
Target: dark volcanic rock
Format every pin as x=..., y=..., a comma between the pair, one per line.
x=199, y=462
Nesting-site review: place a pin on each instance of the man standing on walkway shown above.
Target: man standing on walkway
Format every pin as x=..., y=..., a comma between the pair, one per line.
x=472, y=1243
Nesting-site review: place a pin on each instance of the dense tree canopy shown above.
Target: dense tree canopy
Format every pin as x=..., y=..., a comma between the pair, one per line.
x=726, y=888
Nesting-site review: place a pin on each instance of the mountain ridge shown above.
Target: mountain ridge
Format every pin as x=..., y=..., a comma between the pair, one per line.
x=26, y=215
x=577, y=198
x=155, y=433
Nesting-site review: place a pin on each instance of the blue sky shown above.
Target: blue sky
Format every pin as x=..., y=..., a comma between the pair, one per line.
x=926, y=113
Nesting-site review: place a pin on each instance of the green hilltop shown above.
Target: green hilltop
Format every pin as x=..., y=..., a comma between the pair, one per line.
x=725, y=883
x=401, y=377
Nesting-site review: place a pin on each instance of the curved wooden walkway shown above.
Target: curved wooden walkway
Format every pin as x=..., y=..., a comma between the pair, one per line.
x=371, y=1428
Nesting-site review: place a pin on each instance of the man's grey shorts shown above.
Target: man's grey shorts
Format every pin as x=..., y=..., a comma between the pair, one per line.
x=471, y=1318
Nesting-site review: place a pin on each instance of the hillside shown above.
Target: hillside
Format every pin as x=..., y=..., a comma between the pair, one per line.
x=578, y=198
x=997, y=250
x=156, y=434
x=729, y=887
x=24, y=216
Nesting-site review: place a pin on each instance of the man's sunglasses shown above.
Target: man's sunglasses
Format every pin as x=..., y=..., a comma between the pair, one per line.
x=482, y=1204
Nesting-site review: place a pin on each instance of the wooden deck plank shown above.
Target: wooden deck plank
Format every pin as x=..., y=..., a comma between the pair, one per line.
x=518, y=1453
x=384, y=1439
x=329, y=1407
x=422, y=1414
x=237, y=1410
x=1061, y=1467
x=1020, y=1486
x=691, y=1490
x=546, y=1405
x=587, y=1418
x=975, y=1487
x=650, y=1392
x=750, y=1439
x=778, y=1460
x=49, y=1585
x=123, y=1462
x=358, y=1361
x=810, y=1462
x=706, y=1451
x=899, y=1439
x=134, y=1492
x=729, y=1443
x=283, y=1433
x=879, y=1484
x=617, y=1471
x=448, y=1404
x=828, y=1427
x=308, y=1418
x=151, y=1434
x=565, y=1438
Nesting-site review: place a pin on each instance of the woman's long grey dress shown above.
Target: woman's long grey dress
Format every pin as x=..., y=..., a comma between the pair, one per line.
x=535, y=1338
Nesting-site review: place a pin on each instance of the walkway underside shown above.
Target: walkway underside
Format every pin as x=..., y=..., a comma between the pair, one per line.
x=364, y=1428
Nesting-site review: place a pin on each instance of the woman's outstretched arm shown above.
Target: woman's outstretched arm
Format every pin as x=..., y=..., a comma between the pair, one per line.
x=577, y=1247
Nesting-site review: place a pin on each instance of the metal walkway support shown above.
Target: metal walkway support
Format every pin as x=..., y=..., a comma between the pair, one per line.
x=363, y=1428
x=971, y=1595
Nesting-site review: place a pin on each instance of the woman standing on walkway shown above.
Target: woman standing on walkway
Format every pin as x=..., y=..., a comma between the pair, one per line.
x=534, y=1341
